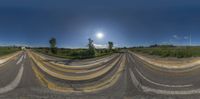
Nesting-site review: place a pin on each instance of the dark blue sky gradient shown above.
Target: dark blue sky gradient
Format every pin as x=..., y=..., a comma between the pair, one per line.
x=125, y=22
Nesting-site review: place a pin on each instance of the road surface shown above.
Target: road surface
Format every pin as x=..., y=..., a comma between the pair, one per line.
x=30, y=75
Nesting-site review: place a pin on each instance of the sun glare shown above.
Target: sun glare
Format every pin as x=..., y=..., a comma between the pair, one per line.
x=99, y=35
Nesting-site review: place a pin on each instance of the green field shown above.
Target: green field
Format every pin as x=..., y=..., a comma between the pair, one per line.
x=8, y=50
x=176, y=51
x=74, y=53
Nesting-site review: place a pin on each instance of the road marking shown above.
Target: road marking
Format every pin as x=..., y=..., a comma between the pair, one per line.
x=178, y=68
x=88, y=89
x=73, y=78
x=160, y=91
x=7, y=58
x=14, y=83
x=134, y=79
x=74, y=66
x=167, y=92
x=20, y=60
x=103, y=60
x=159, y=84
x=24, y=56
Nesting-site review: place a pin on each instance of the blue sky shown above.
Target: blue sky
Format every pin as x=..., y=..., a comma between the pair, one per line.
x=125, y=22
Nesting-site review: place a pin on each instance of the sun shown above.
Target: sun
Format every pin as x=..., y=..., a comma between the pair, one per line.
x=99, y=35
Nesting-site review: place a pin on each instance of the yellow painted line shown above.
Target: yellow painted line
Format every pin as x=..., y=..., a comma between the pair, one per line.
x=10, y=58
x=74, y=78
x=10, y=55
x=108, y=83
x=76, y=67
x=75, y=70
x=49, y=84
x=171, y=68
x=93, y=88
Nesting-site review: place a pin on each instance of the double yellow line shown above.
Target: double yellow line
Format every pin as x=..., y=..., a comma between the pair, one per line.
x=88, y=66
x=81, y=70
x=60, y=75
x=92, y=88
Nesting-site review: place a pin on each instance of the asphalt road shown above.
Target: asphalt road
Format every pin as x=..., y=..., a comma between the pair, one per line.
x=75, y=61
x=147, y=82
x=138, y=80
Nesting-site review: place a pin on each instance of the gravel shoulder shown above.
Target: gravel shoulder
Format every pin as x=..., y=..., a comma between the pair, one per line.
x=169, y=62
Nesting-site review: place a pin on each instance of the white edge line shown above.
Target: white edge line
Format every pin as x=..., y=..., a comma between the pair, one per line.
x=24, y=56
x=159, y=84
x=20, y=59
x=14, y=83
x=159, y=91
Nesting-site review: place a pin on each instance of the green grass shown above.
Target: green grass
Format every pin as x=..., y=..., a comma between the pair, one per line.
x=73, y=53
x=7, y=50
x=179, y=52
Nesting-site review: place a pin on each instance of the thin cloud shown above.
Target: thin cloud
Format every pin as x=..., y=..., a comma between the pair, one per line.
x=176, y=36
x=100, y=45
x=180, y=37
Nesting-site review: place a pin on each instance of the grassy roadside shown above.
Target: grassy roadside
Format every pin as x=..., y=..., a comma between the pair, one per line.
x=8, y=50
x=175, y=51
x=74, y=53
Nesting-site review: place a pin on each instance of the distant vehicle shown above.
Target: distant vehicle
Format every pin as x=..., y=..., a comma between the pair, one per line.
x=23, y=48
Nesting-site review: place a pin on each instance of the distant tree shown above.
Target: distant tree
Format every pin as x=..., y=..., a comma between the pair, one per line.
x=46, y=50
x=91, y=50
x=110, y=45
x=52, y=42
x=155, y=45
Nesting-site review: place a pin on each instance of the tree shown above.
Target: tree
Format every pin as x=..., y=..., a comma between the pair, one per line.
x=110, y=45
x=91, y=50
x=52, y=42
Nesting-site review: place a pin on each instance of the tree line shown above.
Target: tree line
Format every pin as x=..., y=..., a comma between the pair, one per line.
x=90, y=52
